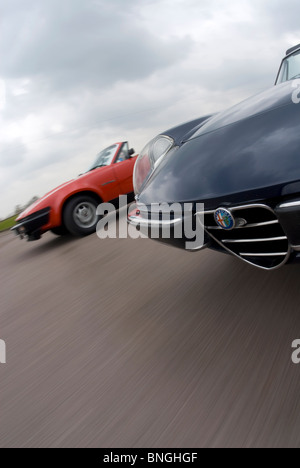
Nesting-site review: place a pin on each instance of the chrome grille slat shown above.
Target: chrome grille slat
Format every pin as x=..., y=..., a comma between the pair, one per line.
x=267, y=223
x=268, y=239
x=265, y=245
x=273, y=254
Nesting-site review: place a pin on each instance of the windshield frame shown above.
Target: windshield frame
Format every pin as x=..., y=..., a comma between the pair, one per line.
x=102, y=159
x=284, y=63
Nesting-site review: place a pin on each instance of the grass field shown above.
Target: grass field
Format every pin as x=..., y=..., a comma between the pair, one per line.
x=7, y=223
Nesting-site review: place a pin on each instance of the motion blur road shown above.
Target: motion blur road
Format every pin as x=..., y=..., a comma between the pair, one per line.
x=128, y=343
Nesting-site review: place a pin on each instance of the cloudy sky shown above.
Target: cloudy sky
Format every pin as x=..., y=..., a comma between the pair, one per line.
x=77, y=75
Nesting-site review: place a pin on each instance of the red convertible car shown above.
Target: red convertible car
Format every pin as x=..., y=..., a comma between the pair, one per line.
x=72, y=207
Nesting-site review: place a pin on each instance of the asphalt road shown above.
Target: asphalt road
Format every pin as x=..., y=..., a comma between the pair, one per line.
x=127, y=343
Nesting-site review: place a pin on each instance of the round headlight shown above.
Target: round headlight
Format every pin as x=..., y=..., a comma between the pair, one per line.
x=149, y=159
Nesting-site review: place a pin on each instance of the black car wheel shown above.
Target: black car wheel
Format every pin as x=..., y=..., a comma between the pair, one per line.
x=80, y=215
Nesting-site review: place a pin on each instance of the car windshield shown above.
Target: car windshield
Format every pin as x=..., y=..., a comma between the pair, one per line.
x=104, y=158
x=290, y=68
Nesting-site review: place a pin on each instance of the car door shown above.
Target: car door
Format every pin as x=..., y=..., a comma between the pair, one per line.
x=107, y=181
x=104, y=178
x=123, y=168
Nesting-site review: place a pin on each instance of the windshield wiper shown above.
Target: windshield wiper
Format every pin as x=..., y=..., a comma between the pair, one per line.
x=96, y=167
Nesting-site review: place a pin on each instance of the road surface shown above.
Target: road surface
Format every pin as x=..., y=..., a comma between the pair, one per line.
x=128, y=343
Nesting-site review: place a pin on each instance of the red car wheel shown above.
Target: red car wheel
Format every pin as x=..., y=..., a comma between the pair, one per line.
x=80, y=215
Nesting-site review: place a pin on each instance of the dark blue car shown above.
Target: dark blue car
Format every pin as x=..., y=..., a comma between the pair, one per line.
x=243, y=165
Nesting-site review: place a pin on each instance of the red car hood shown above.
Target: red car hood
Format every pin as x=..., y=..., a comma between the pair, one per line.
x=47, y=199
x=44, y=201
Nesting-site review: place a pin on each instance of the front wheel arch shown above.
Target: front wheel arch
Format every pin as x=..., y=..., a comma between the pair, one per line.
x=68, y=201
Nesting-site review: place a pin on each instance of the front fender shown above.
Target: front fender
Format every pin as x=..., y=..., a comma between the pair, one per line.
x=59, y=203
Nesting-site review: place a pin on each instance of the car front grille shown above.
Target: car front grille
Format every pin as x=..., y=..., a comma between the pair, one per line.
x=258, y=237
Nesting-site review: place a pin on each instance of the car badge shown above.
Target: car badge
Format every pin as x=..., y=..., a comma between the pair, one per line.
x=224, y=219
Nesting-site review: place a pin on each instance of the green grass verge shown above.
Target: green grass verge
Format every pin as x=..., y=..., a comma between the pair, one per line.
x=7, y=223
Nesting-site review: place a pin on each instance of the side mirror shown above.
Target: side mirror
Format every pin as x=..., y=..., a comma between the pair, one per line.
x=131, y=152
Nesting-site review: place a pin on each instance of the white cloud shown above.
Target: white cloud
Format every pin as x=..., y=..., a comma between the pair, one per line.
x=78, y=76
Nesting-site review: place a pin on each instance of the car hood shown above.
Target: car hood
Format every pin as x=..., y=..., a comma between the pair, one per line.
x=252, y=147
x=82, y=181
x=46, y=200
x=270, y=99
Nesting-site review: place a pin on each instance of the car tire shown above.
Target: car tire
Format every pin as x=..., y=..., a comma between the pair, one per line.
x=80, y=215
x=60, y=231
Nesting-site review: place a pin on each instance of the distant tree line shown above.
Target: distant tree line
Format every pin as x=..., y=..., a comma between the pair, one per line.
x=20, y=208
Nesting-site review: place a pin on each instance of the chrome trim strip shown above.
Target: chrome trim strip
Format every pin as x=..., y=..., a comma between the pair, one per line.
x=281, y=254
x=142, y=222
x=269, y=239
x=289, y=204
x=139, y=221
x=296, y=248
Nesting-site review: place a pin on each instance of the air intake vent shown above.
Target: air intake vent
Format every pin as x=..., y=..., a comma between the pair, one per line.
x=258, y=237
